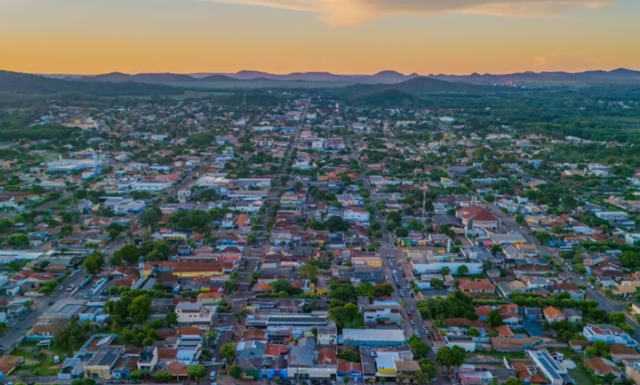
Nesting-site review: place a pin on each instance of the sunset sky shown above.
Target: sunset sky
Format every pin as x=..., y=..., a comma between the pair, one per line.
x=340, y=36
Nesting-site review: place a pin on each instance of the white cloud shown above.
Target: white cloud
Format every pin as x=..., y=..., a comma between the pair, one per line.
x=352, y=12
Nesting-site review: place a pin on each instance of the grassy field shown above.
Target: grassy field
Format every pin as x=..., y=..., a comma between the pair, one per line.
x=580, y=376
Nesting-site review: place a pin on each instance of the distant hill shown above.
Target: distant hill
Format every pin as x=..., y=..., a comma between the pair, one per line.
x=617, y=76
x=415, y=86
x=216, y=78
x=160, y=78
x=620, y=75
x=17, y=82
x=425, y=84
x=388, y=98
x=389, y=77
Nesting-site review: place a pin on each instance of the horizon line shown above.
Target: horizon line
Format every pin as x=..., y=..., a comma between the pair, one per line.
x=323, y=72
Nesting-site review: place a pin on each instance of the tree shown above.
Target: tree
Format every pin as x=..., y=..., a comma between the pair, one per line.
x=495, y=248
x=171, y=319
x=427, y=367
x=473, y=332
x=462, y=270
x=19, y=241
x=450, y=357
x=400, y=378
x=348, y=316
x=150, y=216
x=196, y=371
x=577, y=256
x=422, y=378
x=140, y=309
x=235, y=371
x=136, y=375
x=129, y=254
x=445, y=270
x=418, y=346
x=228, y=351
x=308, y=272
x=162, y=376
x=346, y=380
x=514, y=381
x=93, y=263
x=495, y=319
x=349, y=355
x=384, y=290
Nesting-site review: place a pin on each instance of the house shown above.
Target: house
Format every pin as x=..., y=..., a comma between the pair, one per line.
x=476, y=217
x=551, y=314
x=621, y=352
x=327, y=335
x=464, y=342
x=573, y=315
x=602, y=367
x=195, y=313
x=351, y=369
x=477, y=285
x=383, y=311
x=8, y=363
x=609, y=334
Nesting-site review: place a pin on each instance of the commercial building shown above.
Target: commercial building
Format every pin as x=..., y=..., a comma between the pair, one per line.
x=380, y=311
x=288, y=319
x=552, y=369
x=434, y=263
x=373, y=337
x=612, y=215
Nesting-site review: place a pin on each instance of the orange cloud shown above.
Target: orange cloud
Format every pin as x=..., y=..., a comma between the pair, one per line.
x=353, y=12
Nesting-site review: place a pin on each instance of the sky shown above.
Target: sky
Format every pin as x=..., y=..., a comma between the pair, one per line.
x=339, y=36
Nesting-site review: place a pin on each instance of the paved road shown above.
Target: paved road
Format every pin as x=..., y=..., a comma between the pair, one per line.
x=387, y=248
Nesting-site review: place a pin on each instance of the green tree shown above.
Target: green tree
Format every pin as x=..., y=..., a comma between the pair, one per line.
x=235, y=371
x=427, y=367
x=514, y=381
x=495, y=248
x=495, y=319
x=19, y=241
x=228, y=351
x=140, y=309
x=307, y=271
x=445, y=270
x=150, y=216
x=463, y=270
x=418, y=346
x=171, y=319
x=196, y=371
x=93, y=263
x=422, y=378
x=129, y=254
x=162, y=376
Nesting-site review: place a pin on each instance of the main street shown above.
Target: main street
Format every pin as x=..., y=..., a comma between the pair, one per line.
x=386, y=249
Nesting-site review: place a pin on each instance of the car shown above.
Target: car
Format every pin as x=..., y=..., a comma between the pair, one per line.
x=51, y=303
x=61, y=288
x=582, y=278
x=213, y=375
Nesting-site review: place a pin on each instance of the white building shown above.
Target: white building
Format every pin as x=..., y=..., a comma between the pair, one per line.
x=149, y=186
x=351, y=215
x=612, y=215
x=194, y=313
